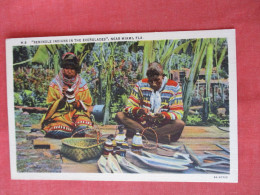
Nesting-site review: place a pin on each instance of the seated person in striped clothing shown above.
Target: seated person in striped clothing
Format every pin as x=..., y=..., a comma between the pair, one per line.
x=155, y=102
x=69, y=102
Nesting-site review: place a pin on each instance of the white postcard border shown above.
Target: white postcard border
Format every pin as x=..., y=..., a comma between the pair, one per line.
x=173, y=177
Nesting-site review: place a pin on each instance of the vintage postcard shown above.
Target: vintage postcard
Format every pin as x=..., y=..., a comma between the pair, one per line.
x=124, y=107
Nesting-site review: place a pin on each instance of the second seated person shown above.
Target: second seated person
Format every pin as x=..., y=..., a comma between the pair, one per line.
x=156, y=102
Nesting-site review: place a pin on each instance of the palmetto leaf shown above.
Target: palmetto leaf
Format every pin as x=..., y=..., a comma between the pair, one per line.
x=194, y=73
x=41, y=56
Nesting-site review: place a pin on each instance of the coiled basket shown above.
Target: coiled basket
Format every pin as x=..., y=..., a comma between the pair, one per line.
x=79, y=149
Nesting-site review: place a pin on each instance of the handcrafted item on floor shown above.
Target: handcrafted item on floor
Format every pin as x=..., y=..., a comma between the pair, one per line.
x=80, y=149
x=125, y=164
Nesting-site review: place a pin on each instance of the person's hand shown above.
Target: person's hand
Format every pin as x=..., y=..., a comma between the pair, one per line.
x=64, y=89
x=153, y=118
x=159, y=116
x=143, y=111
x=64, y=98
x=76, y=104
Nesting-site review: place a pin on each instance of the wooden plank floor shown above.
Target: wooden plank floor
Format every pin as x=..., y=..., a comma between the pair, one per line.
x=201, y=139
x=197, y=138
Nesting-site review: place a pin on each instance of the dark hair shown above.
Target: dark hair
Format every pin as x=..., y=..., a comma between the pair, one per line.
x=70, y=59
x=154, y=69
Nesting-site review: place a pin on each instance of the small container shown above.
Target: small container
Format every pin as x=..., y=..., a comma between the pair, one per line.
x=70, y=95
x=108, y=148
x=106, y=153
x=137, y=143
x=108, y=145
x=120, y=137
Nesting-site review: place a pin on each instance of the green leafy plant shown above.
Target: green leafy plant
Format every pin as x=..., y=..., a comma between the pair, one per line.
x=218, y=121
x=194, y=120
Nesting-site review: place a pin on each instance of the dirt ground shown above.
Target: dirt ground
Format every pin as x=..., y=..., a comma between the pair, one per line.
x=35, y=160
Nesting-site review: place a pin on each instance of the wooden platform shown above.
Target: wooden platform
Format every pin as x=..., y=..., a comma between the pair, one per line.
x=197, y=138
x=201, y=139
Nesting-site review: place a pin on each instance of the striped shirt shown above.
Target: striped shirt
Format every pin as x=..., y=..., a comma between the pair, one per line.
x=171, y=99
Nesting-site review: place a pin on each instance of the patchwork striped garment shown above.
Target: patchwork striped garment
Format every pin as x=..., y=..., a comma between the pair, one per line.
x=60, y=121
x=171, y=99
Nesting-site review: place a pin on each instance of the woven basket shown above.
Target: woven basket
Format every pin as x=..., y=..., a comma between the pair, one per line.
x=80, y=149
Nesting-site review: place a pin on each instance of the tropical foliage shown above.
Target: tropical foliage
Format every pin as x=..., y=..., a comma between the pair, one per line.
x=112, y=68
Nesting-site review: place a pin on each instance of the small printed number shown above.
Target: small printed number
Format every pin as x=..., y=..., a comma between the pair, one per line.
x=220, y=177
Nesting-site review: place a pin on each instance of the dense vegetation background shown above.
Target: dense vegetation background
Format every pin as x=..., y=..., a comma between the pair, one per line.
x=112, y=68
